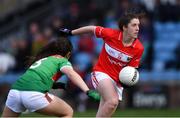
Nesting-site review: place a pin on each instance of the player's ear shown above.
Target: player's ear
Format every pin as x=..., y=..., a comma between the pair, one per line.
x=124, y=28
x=68, y=55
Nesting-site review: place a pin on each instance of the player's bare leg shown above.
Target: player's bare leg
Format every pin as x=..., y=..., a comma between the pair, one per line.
x=57, y=107
x=100, y=104
x=9, y=113
x=109, y=100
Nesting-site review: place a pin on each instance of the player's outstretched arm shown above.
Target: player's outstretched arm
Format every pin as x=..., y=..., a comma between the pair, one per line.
x=81, y=30
x=78, y=81
x=75, y=78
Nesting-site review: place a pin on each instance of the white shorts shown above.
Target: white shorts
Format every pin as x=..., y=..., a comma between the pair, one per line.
x=96, y=77
x=19, y=101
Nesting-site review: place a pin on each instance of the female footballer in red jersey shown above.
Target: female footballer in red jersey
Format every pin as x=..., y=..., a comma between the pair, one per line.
x=121, y=48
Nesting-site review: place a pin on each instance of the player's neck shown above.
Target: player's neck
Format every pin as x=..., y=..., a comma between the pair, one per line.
x=127, y=41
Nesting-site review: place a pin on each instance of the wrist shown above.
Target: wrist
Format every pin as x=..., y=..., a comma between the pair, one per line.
x=70, y=32
x=87, y=92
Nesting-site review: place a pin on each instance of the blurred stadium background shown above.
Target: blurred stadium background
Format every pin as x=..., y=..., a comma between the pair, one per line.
x=27, y=25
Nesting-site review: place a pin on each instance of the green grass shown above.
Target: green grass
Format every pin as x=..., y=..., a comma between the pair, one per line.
x=125, y=113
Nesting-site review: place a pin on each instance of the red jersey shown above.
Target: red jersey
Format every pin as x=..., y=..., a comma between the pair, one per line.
x=114, y=55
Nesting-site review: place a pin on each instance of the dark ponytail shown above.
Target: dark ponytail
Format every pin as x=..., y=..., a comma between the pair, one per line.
x=59, y=46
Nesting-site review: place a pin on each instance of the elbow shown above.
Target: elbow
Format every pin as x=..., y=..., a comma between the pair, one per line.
x=89, y=29
x=92, y=28
x=82, y=30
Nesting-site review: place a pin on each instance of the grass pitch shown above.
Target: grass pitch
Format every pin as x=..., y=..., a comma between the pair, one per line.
x=124, y=113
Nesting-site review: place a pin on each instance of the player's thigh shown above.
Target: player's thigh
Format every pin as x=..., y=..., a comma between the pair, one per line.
x=57, y=107
x=107, y=89
x=9, y=113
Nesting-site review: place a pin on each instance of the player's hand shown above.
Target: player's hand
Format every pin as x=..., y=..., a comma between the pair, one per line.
x=94, y=95
x=59, y=85
x=65, y=32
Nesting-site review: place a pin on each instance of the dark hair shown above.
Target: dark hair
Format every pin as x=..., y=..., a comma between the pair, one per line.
x=128, y=16
x=59, y=46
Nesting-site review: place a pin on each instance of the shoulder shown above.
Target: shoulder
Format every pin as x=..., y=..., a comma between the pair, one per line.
x=61, y=61
x=103, y=31
x=138, y=45
x=100, y=28
x=58, y=58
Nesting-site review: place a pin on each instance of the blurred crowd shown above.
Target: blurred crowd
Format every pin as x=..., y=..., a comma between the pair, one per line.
x=23, y=42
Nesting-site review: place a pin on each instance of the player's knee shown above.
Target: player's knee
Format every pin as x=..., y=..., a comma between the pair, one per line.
x=113, y=103
x=66, y=113
x=69, y=112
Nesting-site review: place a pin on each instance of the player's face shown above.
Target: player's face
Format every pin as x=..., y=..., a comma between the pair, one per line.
x=133, y=28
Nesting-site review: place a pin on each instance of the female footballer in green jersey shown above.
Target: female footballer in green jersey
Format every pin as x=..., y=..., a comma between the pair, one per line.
x=31, y=90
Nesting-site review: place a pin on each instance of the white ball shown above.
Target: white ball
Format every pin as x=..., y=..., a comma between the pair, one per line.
x=129, y=76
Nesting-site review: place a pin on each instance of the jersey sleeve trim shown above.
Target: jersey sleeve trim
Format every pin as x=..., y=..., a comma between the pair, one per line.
x=67, y=66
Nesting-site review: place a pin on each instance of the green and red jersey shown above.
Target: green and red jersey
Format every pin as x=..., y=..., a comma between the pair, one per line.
x=41, y=75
